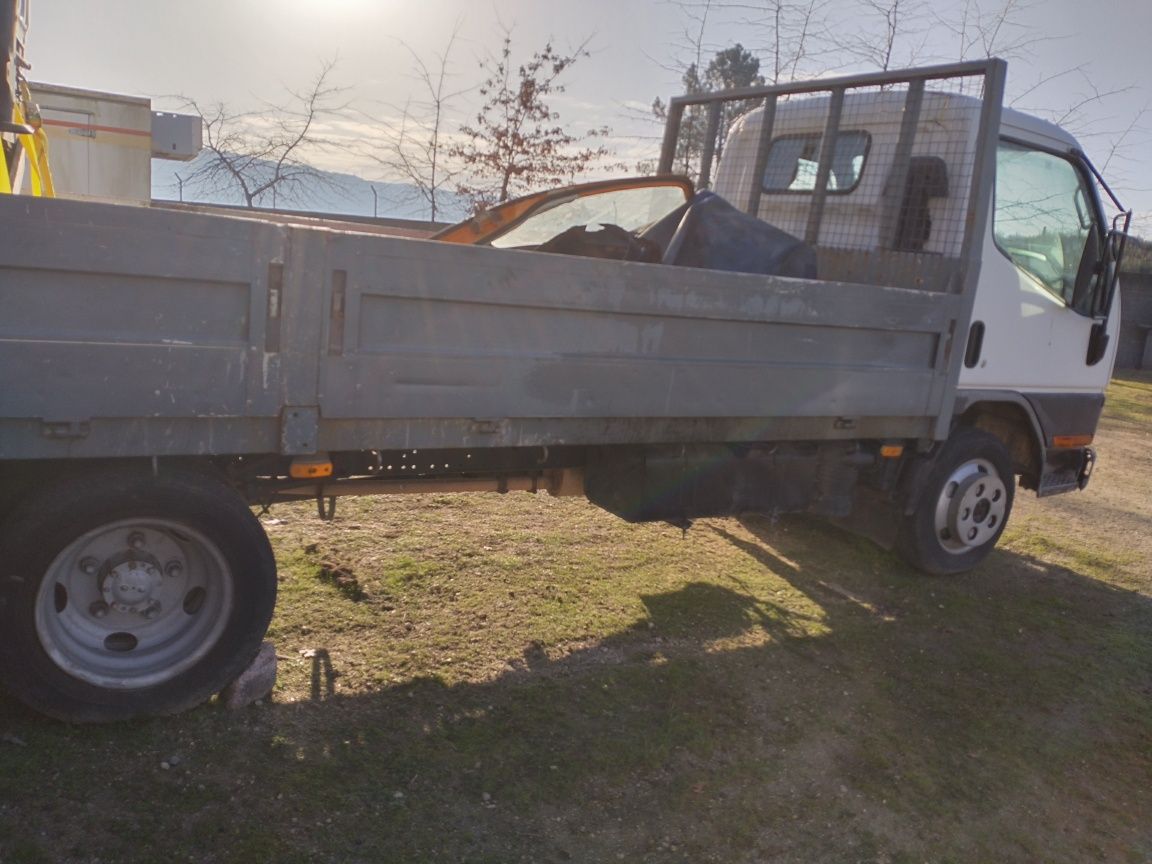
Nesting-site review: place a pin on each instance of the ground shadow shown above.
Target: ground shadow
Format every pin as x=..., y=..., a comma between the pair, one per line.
x=995, y=717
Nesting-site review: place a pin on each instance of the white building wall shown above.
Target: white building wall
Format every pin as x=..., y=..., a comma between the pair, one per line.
x=100, y=144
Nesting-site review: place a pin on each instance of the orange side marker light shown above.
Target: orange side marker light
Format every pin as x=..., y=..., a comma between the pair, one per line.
x=310, y=467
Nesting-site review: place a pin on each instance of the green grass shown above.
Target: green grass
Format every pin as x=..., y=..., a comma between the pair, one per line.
x=1130, y=397
x=520, y=678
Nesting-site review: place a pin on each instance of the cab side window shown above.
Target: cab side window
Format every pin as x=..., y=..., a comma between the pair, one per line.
x=1043, y=216
x=794, y=160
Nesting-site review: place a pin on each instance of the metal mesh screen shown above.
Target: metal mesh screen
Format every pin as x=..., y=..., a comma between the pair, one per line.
x=876, y=172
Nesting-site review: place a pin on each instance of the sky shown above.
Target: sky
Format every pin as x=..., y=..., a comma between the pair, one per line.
x=245, y=52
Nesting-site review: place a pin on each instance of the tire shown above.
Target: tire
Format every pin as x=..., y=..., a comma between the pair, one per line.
x=962, y=506
x=128, y=595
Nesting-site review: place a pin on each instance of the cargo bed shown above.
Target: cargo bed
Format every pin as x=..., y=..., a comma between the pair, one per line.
x=130, y=331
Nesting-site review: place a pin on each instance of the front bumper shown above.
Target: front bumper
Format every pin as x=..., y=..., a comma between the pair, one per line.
x=1086, y=467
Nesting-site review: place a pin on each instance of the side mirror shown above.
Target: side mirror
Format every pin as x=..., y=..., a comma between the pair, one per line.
x=1100, y=300
x=1113, y=256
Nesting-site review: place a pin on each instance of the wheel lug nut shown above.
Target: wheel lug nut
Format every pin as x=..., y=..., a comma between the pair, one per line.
x=98, y=609
x=174, y=568
x=89, y=566
x=152, y=611
x=136, y=540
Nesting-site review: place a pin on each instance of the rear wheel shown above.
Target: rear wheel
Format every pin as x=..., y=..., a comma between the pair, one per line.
x=128, y=594
x=962, y=507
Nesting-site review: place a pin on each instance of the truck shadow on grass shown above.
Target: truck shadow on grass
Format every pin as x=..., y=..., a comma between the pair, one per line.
x=867, y=715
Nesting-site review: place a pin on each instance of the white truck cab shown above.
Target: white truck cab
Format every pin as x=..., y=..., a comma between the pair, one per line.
x=1046, y=208
x=1041, y=342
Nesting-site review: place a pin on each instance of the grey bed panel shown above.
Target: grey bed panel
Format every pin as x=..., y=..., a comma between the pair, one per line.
x=125, y=312
x=435, y=386
x=402, y=326
x=425, y=433
x=54, y=380
x=425, y=269
x=56, y=234
x=158, y=436
x=127, y=329
x=450, y=331
x=138, y=437
x=63, y=306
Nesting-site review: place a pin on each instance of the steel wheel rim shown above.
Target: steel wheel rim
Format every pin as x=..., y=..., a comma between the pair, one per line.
x=134, y=603
x=971, y=507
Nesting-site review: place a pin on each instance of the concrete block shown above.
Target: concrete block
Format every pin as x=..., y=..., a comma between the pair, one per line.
x=255, y=682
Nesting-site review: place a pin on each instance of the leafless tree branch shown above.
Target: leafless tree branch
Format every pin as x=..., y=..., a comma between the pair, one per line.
x=264, y=156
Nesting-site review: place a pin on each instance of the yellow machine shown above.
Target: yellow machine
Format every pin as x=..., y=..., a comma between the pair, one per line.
x=23, y=144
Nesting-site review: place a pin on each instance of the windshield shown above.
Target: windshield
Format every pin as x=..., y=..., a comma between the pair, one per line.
x=631, y=209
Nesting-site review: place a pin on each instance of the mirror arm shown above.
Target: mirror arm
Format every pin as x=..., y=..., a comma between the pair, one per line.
x=1080, y=154
x=1115, y=240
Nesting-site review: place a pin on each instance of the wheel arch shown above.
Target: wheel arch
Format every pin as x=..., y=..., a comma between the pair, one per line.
x=1012, y=419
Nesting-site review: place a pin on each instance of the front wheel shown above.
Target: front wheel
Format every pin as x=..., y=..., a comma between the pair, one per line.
x=128, y=594
x=962, y=506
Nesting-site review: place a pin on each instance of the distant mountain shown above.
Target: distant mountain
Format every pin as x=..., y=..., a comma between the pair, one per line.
x=344, y=194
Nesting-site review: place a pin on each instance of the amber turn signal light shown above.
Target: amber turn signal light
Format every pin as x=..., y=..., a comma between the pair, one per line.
x=310, y=467
x=1071, y=440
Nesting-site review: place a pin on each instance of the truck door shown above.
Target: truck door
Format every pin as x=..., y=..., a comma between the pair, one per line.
x=1039, y=279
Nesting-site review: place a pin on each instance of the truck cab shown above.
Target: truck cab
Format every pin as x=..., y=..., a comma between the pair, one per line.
x=1040, y=345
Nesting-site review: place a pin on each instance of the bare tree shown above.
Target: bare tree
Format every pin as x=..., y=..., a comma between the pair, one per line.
x=688, y=54
x=1000, y=30
x=690, y=46
x=515, y=142
x=993, y=30
x=418, y=148
x=792, y=37
x=891, y=33
x=262, y=155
